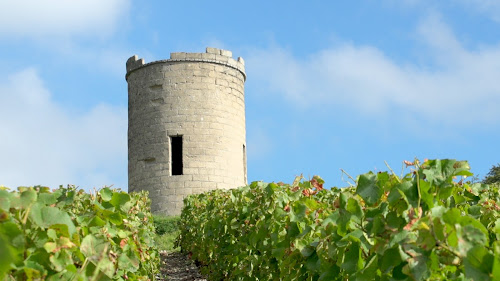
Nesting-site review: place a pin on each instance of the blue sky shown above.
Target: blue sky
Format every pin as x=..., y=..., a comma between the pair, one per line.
x=331, y=84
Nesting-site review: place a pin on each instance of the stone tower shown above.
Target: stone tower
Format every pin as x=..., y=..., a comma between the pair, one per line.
x=186, y=126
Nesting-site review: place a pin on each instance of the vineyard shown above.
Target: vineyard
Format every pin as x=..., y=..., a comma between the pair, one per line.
x=429, y=224
x=67, y=234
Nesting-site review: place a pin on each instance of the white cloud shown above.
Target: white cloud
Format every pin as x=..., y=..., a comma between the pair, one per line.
x=42, y=142
x=39, y=18
x=106, y=59
x=489, y=7
x=460, y=89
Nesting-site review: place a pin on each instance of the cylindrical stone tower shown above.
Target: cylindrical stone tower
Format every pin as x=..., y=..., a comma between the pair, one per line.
x=186, y=126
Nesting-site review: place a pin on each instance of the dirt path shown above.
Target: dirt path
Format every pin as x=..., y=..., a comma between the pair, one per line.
x=177, y=267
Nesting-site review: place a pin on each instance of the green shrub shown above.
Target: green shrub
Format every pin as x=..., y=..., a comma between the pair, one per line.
x=166, y=224
x=167, y=231
x=68, y=234
x=426, y=225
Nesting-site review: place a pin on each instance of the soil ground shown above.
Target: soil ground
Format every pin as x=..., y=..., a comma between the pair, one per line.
x=176, y=266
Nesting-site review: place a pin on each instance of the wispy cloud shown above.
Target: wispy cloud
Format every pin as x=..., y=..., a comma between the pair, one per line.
x=29, y=18
x=108, y=59
x=460, y=88
x=488, y=7
x=42, y=142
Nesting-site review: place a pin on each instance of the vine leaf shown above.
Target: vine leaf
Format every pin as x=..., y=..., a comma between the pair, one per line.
x=46, y=217
x=368, y=190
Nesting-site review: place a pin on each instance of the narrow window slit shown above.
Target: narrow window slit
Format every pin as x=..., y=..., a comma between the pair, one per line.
x=176, y=155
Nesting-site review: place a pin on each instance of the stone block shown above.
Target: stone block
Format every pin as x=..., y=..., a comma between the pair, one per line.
x=134, y=62
x=178, y=56
x=208, y=56
x=221, y=58
x=193, y=56
x=211, y=50
x=226, y=53
x=184, y=191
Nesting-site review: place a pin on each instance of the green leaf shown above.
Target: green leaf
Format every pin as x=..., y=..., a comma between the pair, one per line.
x=331, y=273
x=452, y=216
x=127, y=264
x=397, y=272
x=61, y=229
x=93, y=247
x=425, y=195
x=352, y=258
x=298, y=212
x=60, y=260
x=119, y=199
x=303, y=246
x=390, y=259
x=51, y=233
x=47, y=198
x=395, y=221
x=45, y=217
x=438, y=171
x=368, y=190
x=478, y=263
x=496, y=262
x=418, y=267
x=354, y=208
x=33, y=270
x=14, y=235
x=312, y=262
x=106, y=194
x=310, y=203
x=5, y=199
x=50, y=247
x=410, y=190
x=28, y=197
x=370, y=271
x=8, y=256
x=106, y=266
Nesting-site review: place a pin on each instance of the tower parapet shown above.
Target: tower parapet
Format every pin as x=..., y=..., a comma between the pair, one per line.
x=186, y=129
x=212, y=55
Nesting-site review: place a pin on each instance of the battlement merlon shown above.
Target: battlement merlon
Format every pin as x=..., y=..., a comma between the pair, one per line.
x=212, y=55
x=134, y=62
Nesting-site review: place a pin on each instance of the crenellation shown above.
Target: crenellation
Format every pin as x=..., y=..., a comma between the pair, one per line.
x=193, y=56
x=178, y=56
x=208, y=56
x=210, y=50
x=226, y=53
x=134, y=62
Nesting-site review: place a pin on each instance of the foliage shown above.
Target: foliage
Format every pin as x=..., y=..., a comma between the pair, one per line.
x=166, y=224
x=493, y=175
x=167, y=231
x=166, y=242
x=68, y=234
x=422, y=226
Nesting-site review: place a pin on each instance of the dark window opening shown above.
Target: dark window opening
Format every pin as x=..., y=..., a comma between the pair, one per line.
x=176, y=155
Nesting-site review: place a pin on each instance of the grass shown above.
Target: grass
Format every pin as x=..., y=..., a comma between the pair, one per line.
x=167, y=231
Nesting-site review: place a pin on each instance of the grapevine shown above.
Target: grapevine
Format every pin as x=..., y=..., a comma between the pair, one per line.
x=430, y=224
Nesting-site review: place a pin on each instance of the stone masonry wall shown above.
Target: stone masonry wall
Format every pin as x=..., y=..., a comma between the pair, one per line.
x=199, y=96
